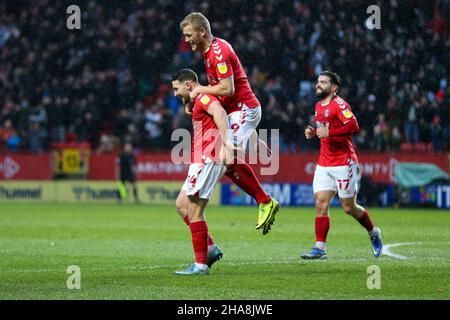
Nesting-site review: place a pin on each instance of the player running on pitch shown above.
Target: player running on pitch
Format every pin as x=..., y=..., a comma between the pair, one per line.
x=228, y=81
x=337, y=168
x=210, y=127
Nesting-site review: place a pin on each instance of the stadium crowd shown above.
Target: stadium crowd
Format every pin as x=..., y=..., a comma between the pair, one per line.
x=109, y=82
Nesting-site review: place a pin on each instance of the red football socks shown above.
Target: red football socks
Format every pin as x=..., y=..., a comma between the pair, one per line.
x=322, y=227
x=244, y=177
x=365, y=221
x=210, y=239
x=199, y=231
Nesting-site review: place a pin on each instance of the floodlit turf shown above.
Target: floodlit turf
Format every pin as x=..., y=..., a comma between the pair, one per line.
x=131, y=252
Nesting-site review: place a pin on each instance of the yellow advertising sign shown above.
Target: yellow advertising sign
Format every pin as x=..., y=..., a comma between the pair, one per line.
x=84, y=191
x=27, y=191
x=71, y=161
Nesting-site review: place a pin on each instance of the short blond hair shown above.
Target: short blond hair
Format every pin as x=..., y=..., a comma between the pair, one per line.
x=197, y=20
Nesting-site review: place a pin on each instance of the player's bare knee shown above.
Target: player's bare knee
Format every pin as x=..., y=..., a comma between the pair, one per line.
x=322, y=207
x=196, y=208
x=181, y=210
x=180, y=204
x=348, y=207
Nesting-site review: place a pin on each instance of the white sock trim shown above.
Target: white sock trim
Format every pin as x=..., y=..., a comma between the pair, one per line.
x=373, y=232
x=201, y=266
x=321, y=245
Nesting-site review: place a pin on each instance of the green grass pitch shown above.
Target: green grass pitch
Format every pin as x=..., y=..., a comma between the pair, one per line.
x=131, y=252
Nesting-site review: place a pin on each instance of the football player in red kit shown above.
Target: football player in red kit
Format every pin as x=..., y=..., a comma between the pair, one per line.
x=210, y=127
x=337, y=169
x=228, y=81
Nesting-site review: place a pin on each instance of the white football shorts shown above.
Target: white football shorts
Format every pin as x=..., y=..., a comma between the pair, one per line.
x=341, y=179
x=243, y=123
x=202, y=179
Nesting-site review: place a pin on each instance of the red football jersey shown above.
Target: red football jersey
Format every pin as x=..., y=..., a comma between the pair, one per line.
x=205, y=135
x=221, y=62
x=338, y=150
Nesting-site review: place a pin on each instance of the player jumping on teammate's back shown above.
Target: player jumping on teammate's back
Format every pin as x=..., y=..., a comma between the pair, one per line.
x=337, y=168
x=228, y=81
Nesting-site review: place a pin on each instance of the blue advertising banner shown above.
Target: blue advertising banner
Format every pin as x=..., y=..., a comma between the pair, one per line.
x=438, y=195
x=443, y=196
x=288, y=194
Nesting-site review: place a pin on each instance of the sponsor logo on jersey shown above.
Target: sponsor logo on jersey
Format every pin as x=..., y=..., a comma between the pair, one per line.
x=205, y=99
x=347, y=113
x=222, y=67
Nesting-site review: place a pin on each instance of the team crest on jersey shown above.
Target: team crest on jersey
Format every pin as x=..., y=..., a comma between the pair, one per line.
x=222, y=67
x=205, y=100
x=208, y=63
x=347, y=113
x=327, y=113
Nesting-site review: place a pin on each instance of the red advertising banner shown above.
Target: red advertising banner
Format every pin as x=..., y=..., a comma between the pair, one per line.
x=160, y=167
x=101, y=167
x=26, y=167
x=380, y=167
x=154, y=166
x=293, y=168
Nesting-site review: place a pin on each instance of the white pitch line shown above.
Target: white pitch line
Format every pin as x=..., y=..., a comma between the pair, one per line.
x=387, y=249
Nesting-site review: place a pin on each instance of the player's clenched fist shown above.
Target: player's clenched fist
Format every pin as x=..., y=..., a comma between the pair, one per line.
x=322, y=132
x=310, y=132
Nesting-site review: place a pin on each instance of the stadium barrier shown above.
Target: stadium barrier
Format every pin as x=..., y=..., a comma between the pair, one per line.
x=293, y=168
x=26, y=167
x=434, y=195
x=154, y=166
x=287, y=194
x=26, y=178
x=83, y=191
